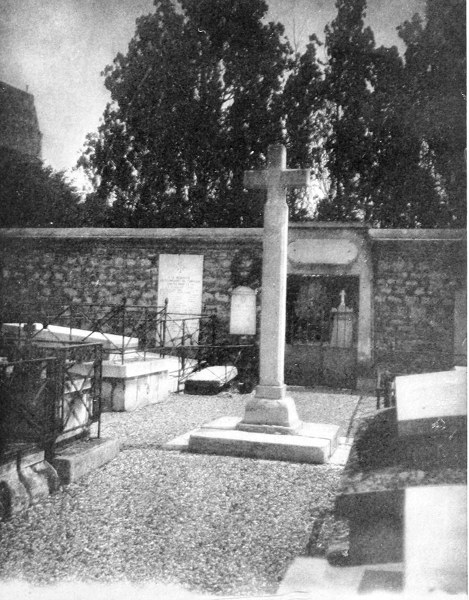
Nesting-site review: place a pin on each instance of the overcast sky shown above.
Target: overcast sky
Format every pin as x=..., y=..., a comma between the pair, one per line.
x=58, y=48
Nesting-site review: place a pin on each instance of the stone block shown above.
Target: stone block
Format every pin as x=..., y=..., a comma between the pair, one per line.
x=435, y=538
x=82, y=457
x=210, y=380
x=135, y=384
x=24, y=480
x=426, y=402
x=314, y=443
x=14, y=497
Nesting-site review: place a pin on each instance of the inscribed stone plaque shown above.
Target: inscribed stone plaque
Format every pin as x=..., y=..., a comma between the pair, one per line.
x=180, y=278
x=325, y=252
x=243, y=311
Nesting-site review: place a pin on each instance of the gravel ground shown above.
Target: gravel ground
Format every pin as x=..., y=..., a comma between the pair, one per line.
x=212, y=524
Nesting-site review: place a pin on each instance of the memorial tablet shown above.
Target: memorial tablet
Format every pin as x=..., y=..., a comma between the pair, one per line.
x=180, y=280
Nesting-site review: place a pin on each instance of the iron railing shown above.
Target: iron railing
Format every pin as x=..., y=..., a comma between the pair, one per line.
x=49, y=394
x=121, y=328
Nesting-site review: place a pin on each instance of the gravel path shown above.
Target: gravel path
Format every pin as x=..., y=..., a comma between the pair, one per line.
x=212, y=524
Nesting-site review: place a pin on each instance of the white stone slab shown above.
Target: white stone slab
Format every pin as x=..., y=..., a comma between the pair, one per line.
x=180, y=279
x=243, y=311
x=431, y=396
x=435, y=539
x=215, y=373
x=56, y=333
x=220, y=437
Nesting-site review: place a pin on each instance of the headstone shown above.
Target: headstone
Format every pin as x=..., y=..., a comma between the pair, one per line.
x=210, y=380
x=180, y=280
x=243, y=311
x=430, y=401
x=342, y=324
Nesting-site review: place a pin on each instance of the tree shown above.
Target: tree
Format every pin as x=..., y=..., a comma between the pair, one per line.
x=34, y=195
x=194, y=104
x=436, y=85
x=307, y=116
x=347, y=87
x=386, y=165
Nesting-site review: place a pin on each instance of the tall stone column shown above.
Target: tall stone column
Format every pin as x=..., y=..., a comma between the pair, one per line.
x=271, y=409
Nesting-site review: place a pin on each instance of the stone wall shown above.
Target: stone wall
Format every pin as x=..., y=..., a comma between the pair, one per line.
x=415, y=276
x=86, y=266
x=414, y=297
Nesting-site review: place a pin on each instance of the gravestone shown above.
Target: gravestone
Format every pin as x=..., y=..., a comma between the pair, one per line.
x=243, y=311
x=180, y=280
x=429, y=402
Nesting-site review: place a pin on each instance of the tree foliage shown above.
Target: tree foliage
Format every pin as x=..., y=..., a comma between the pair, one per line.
x=206, y=85
x=34, y=195
x=396, y=150
x=193, y=105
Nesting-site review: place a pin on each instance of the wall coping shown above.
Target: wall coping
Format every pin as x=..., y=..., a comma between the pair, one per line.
x=219, y=234
x=417, y=235
x=97, y=233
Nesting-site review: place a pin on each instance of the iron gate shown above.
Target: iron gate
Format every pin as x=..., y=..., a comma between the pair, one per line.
x=321, y=332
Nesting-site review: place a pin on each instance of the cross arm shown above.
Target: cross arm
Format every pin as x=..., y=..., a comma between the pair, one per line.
x=295, y=178
x=289, y=178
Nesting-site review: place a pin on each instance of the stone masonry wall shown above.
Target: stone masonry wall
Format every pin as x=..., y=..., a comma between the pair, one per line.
x=414, y=292
x=414, y=280
x=106, y=271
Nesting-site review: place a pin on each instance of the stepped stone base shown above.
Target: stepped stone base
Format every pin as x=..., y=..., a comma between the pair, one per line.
x=313, y=443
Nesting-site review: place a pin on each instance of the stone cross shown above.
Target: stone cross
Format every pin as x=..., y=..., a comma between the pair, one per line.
x=271, y=409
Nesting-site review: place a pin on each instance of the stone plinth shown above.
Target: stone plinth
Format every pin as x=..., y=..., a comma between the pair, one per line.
x=134, y=384
x=314, y=443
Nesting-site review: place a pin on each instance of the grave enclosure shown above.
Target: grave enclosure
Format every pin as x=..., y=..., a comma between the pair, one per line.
x=405, y=289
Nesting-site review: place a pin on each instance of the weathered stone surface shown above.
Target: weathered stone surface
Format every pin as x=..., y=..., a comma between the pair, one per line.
x=24, y=480
x=313, y=444
x=435, y=537
x=431, y=402
x=134, y=384
x=210, y=380
x=81, y=457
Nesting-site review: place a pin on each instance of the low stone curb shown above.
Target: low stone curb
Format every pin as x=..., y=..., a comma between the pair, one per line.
x=81, y=457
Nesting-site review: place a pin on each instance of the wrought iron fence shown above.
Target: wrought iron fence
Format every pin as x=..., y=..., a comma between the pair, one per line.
x=49, y=394
x=121, y=328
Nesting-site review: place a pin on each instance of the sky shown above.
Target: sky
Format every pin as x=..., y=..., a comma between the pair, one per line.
x=57, y=49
